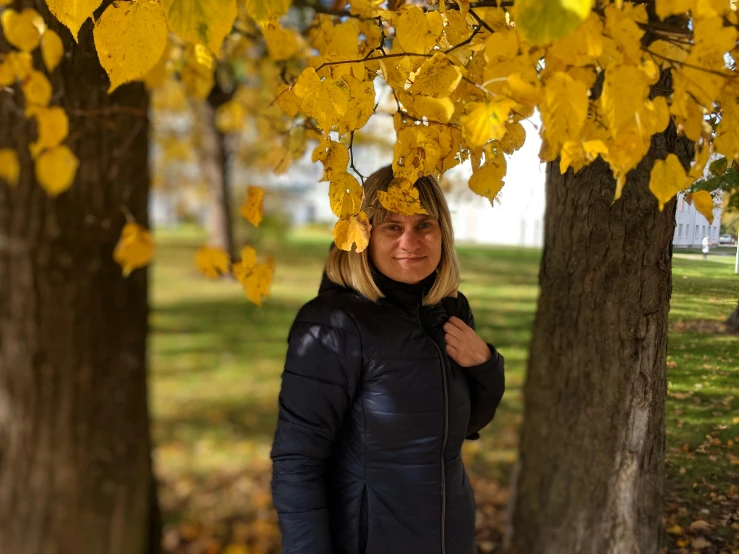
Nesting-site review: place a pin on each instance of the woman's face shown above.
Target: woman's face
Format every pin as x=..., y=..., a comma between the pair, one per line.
x=406, y=248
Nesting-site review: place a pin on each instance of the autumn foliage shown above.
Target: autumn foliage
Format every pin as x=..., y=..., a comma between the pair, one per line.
x=464, y=78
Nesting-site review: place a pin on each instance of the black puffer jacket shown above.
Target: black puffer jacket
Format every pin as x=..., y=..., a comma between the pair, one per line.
x=373, y=413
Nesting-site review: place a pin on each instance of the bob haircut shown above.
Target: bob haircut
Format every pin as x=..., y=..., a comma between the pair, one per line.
x=353, y=270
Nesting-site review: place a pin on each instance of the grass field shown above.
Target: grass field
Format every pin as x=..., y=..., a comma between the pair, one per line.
x=216, y=364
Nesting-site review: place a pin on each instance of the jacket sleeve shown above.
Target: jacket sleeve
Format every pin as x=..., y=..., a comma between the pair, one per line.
x=320, y=377
x=486, y=381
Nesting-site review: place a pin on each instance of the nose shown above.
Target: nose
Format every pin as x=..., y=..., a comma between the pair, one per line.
x=410, y=242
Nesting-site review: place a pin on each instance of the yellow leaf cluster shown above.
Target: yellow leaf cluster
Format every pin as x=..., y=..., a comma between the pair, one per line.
x=21, y=29
x=135, y=248
x=10, y=167
x=201, y=21
x=401, y=198
x=353, y=231
x=253, y=207
x=212, y=262
x=130, y=38
x=56, y=169
x=345, y=195
x=255, y=278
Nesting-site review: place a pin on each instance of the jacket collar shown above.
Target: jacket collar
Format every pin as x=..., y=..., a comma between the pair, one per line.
x=405, y=295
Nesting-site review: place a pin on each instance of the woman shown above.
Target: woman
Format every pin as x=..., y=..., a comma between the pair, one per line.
x=384, y=379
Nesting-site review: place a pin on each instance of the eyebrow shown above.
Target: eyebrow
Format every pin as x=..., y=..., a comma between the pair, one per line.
x=394, y=220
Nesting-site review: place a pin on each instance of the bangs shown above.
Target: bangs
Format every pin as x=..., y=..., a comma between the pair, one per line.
x=426, y=196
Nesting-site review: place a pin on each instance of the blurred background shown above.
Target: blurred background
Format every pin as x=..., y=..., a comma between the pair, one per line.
x=216, y=359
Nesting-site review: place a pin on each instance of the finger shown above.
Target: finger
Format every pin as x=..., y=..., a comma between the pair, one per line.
x=453, y=352
x=458, y=323
x=450, y=329
x=451, y=340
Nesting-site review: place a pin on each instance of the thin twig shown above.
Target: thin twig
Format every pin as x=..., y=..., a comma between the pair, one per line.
x=383, y=57
x=351, y=158
x=481, y=21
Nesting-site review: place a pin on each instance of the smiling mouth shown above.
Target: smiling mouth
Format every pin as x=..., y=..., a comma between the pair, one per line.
x=416, y=259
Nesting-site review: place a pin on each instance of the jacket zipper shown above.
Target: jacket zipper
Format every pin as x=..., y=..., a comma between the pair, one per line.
x=446, y=432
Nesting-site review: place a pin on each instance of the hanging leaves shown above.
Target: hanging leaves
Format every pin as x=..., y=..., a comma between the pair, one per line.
x=401, y=198
x=73, y=13
x=212, y=262
x=353, y=231
x=56, y=169
x=52, y=49
x=256, y=279
x=201, y=21
x=10, y=167
x=252, y=209
x=345, y=195
x=130, y=37
x=667, y=178
x=135, y=248
x=21, y=28
x=704, y=204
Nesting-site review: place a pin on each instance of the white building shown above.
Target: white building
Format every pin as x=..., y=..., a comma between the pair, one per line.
x=691, y=226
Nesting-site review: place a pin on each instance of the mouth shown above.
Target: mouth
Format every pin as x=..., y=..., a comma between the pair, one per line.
x=412, y=259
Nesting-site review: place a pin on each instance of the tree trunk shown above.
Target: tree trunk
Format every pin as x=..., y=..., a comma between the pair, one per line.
x=592, y=441
x=214, y=160
x=733, y=321
x=75, y=467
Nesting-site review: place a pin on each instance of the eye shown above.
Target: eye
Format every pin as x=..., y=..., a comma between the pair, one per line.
x=393, y=227
x=425, y=225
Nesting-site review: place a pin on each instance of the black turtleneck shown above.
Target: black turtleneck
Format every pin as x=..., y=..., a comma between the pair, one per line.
x=407, y=295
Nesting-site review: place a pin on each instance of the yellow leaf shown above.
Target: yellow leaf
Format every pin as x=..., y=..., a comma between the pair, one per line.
x=53, y=128
x=52, y=49
x=135, y=248
x=335, y=158
x=352, y=230
x=365, y=8
x=486, y=121
x=345, y=195
x=253, y=207
x=417, y=31
x=727, y=132
x=501, y=46
x=514, y=137
x=15, y=66
x=161, y=72
x=488, y=180
x=667, y=179
x=201, y=21
x=267, y=10
x=703, y=202
x=564, y=109
x=416, y=152
x=197, y=75
x=437, y=77
x=288, y=101
x=325, y=101
x=10, y=167
x=236, y=549
x=230, y=117
x=577, y=154
x=525, y=87
x=212, y=262
x=702, y=155
x=282, y=43
x=254, y=278
x=580, y=48
x=625, y=90
x=543, y=22
x=21, y=29
x=675, y=530
x=361, y=105
x=130, y=38
x=439, y=110
x=37, y=90
x=56, y=169
x=73, y=13
x=401, y=198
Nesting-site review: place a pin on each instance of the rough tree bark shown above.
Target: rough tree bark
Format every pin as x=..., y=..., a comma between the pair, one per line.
x=592, y=441
x=75, y=467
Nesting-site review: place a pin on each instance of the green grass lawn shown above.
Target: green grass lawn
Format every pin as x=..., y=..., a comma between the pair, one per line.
x=217, y=359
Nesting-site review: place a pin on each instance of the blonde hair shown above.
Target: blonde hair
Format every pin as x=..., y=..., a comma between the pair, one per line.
x=353, y=270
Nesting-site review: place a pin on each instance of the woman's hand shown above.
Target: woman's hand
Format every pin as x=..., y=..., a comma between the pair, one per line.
x=463, y=345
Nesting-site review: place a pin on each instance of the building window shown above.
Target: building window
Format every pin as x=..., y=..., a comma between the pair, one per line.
x=680, y=227
x=697, y=230
x=704, y=231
